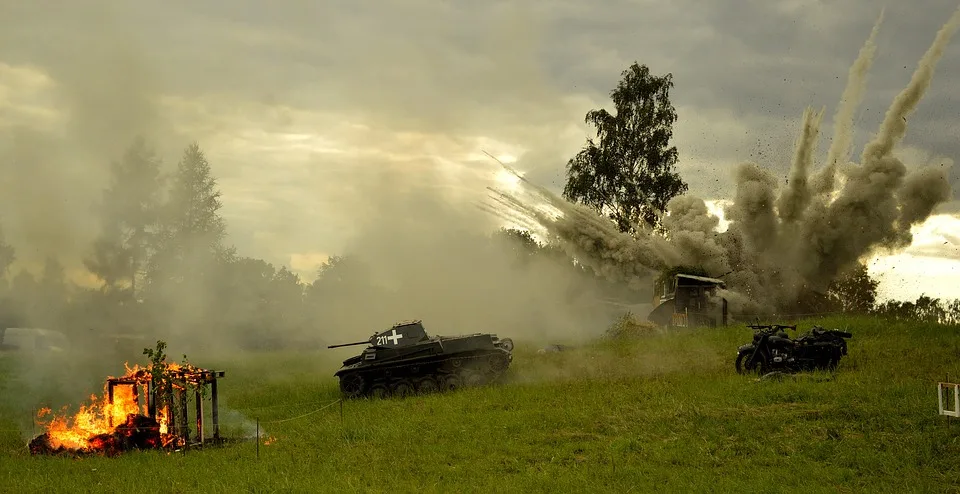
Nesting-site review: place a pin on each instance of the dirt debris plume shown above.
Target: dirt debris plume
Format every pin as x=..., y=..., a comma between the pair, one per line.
x=776, y=245
x=867, y=212
x=796, y=196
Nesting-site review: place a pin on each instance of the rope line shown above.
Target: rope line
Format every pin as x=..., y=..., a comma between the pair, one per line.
x=266, y=407
x=328, y=405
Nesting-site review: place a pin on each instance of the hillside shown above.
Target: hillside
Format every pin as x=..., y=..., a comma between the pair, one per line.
x=656, y=412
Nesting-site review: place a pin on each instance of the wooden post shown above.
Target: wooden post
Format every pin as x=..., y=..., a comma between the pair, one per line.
x=110, y=385
x=215, y=408
x=199, y=399
x=182, y=409
x=172, y=418
x=151, y=400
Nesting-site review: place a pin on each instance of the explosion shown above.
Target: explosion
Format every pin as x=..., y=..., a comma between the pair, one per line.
x=779, y=244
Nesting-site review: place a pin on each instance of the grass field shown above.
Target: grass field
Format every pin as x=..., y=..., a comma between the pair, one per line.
x=660, y=413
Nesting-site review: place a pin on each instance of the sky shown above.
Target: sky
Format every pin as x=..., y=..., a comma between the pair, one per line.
x=300, y=105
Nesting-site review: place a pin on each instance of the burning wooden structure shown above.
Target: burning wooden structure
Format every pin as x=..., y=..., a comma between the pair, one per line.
x=137, y=411
x=173, y=417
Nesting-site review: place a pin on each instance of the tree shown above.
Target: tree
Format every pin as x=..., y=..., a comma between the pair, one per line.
x=339, y=274
x=8, y=310
x=191, y=257
x=52, y=293
x=287, y=306
x=263, y=306
x=24, y=294
x=854, y=291
x=129, y=218
x=7, y=257
x=628, y=174
x=924, y=309
x=192, y=230
x=520, y=243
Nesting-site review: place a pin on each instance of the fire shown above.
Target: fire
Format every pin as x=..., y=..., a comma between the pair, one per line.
x=144, y=408
x=105, y=420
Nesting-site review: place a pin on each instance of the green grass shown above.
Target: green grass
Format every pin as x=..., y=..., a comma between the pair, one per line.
x=660, y=413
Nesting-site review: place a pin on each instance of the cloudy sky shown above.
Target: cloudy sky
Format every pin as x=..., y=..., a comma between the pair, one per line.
x=301, y=105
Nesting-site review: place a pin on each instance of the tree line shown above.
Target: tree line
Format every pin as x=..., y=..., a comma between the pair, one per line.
x=160, y=259
x=163, y=266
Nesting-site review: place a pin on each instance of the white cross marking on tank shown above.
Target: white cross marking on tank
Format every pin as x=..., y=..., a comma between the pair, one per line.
x=395, y=337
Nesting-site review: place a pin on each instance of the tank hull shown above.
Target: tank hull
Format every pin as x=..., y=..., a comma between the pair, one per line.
x=436, y=365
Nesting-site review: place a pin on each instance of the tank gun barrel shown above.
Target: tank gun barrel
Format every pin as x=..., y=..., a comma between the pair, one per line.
x=366, y=342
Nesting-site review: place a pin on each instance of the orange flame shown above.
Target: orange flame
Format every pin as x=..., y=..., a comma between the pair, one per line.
x=100, y=416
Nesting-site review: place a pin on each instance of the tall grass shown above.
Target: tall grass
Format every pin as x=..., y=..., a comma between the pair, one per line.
x=660, y=411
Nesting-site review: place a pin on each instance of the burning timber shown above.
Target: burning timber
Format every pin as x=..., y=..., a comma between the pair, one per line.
x=137, y=413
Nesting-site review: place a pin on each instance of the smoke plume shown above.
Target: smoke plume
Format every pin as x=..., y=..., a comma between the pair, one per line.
x=417, y=255
x=778, y=243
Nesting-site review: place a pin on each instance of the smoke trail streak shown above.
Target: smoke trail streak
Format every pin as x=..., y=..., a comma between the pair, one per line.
x=894, y=125
x=843, y=121
x=796, y=197
x=775, y=248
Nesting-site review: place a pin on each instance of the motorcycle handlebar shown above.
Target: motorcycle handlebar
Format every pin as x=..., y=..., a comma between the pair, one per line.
x=769, y=328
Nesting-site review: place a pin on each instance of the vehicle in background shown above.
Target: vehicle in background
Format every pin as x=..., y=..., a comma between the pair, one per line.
x=33, y=340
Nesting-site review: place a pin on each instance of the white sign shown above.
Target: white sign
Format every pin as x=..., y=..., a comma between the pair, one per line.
x=941, y=387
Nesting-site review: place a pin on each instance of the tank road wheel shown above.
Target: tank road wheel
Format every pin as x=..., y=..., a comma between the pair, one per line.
x=402, y=388
x=352, y=385
x=472, y=378
x=507, y=344
x=451, y=382
x=427, y=385
x=379, y=391
x=498, y=364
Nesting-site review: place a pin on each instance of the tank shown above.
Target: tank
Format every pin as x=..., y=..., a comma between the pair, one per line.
x=404, y=360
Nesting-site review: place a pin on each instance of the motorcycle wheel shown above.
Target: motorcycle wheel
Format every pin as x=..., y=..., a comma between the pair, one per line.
x=758, y=366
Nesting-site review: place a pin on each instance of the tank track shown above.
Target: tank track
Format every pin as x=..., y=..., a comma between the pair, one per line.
x=424, y=377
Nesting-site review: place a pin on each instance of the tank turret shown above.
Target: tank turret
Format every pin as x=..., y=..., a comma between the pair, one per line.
x=405, y=360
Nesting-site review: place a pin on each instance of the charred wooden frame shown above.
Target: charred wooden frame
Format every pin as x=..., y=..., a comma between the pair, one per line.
x=177, y=422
